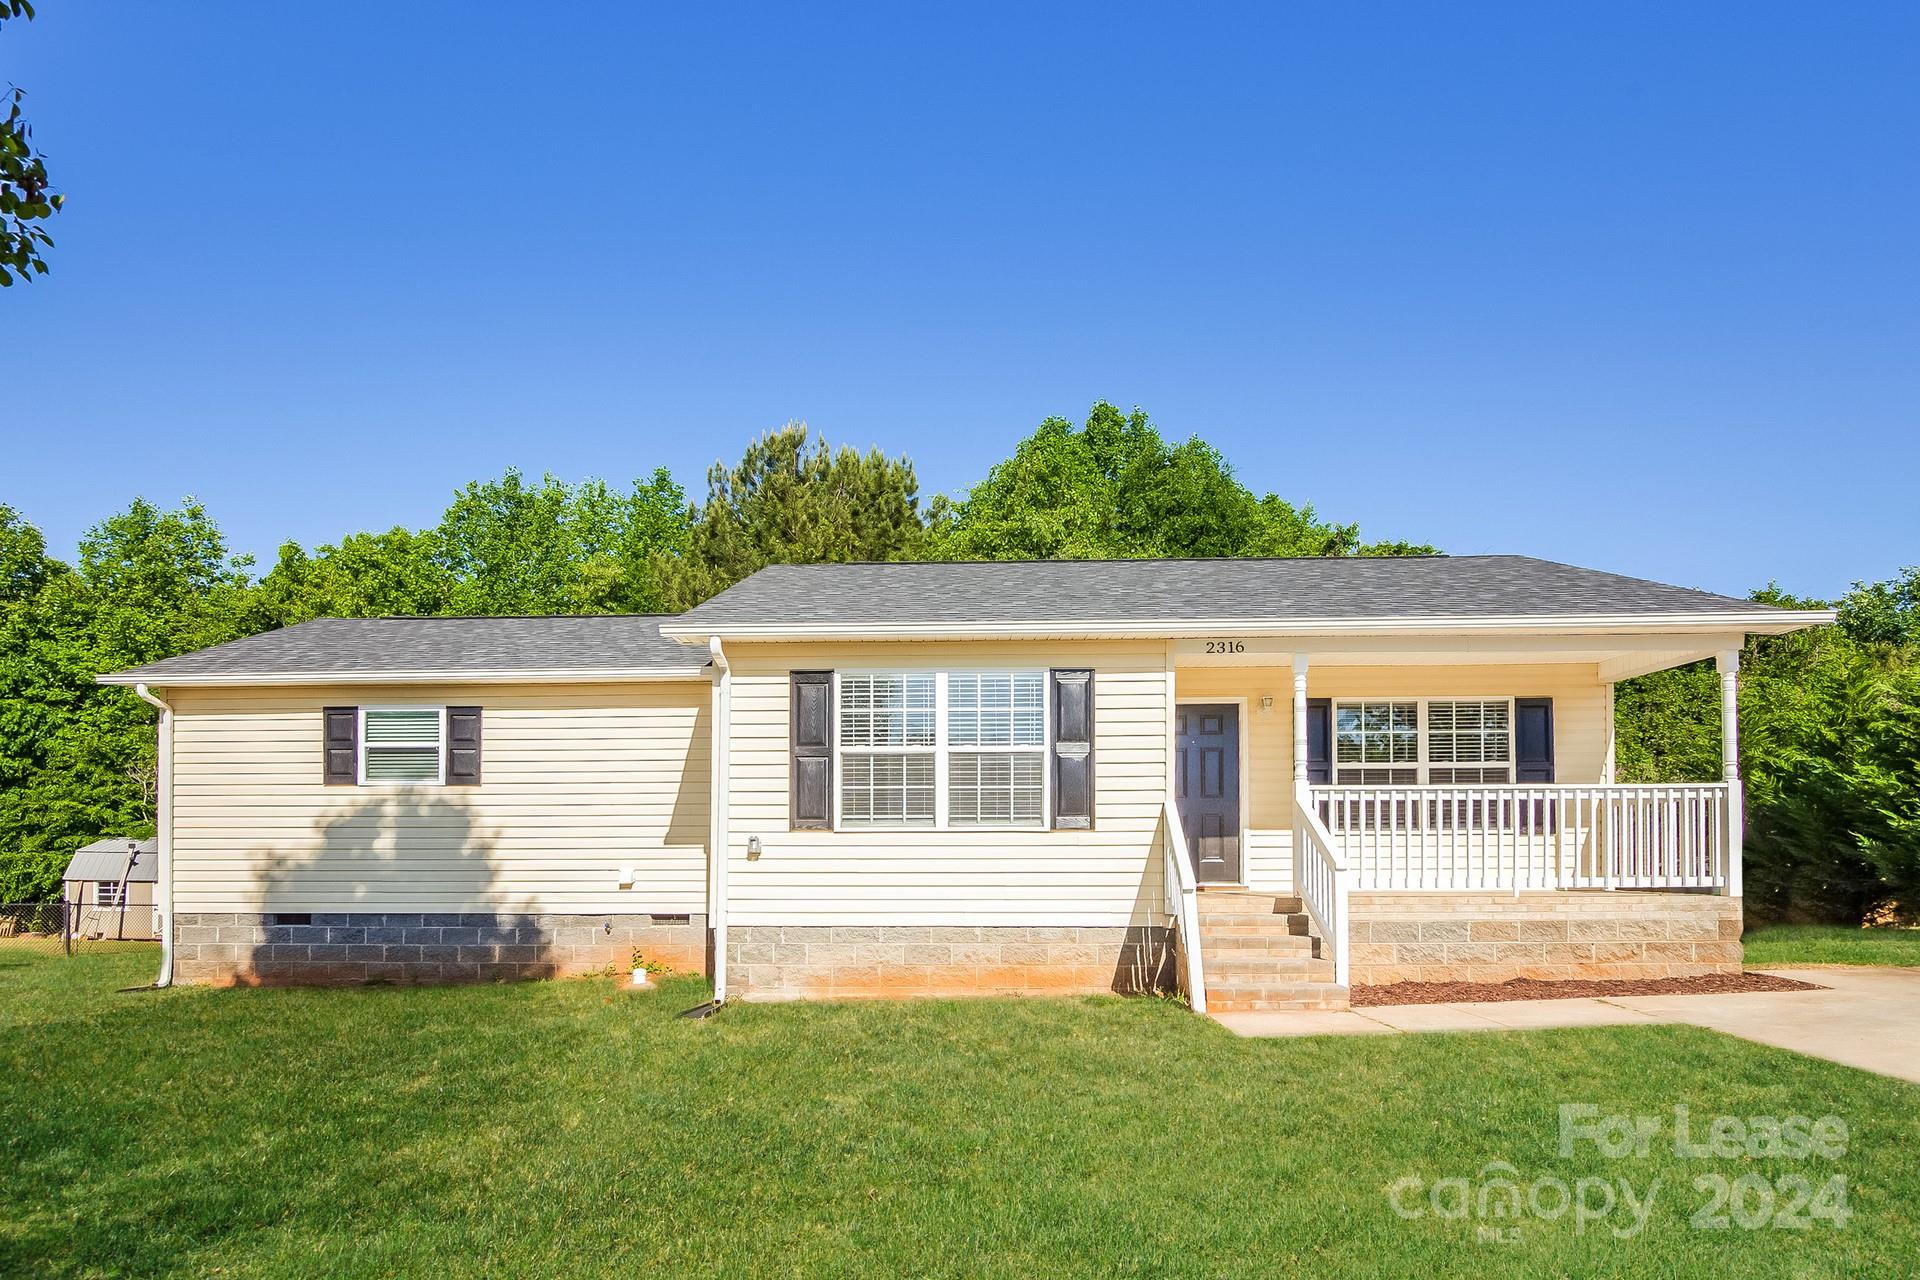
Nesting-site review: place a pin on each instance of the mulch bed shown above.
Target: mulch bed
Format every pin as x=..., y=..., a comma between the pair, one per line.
x=1541, y=989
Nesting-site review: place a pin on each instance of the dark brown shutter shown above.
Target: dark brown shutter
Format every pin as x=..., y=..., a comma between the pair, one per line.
x=810, y=786
x=340, y=746
x=463, y=746
x=1319, y=741
x=1533, y=739
x=1073, y=749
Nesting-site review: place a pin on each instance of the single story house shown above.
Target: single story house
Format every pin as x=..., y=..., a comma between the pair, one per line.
x=108, y=889
x=1260, y=781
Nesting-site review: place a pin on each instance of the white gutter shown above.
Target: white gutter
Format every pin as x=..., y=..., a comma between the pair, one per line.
x=719, y=837
x=163, y=815
x=1767, y=622
x=541, y=675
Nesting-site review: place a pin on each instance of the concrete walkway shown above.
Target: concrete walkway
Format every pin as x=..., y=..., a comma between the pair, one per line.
x=1869, y=1017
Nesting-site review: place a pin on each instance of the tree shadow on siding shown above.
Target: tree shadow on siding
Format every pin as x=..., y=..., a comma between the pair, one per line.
x=405, y=845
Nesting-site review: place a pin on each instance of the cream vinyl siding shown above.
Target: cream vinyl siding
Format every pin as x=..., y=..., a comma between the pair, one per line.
x=1582, y=729
x=578, y=781
x=1107, y=876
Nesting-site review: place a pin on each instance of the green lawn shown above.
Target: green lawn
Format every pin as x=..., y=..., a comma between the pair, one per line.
x=1831, y=944
x=561, y=1129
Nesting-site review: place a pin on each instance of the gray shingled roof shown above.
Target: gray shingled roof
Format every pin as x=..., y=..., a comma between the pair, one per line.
x=107, y=860
x=456, y=646
x=1151, y=591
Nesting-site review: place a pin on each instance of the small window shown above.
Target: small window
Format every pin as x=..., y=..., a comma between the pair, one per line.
x=402, y=745
x=109, y=893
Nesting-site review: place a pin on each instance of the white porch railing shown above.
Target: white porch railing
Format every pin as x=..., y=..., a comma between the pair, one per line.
x=1529, y=837
x=1182, y=903
x=1323, y=880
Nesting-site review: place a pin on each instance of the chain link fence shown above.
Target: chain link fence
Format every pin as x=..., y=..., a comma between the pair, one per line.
x=64, y=928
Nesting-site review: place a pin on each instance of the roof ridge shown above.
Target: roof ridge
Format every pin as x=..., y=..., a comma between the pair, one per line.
x=486, y=617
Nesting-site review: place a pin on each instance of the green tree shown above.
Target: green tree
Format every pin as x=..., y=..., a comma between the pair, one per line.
x=1829, y=753
x=78, y=758
x=510, y=547
x=793, y=500
x=1115, y=488
x=364, y=575
x=25, y=565
x=26, y=198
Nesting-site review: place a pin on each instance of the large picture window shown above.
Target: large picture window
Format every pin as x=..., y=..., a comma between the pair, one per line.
x=1409, y=741
x=942, y=749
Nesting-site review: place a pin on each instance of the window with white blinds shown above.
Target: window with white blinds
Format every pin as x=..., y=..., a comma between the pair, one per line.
x=109, y=893
x=1410, y=741
x=1470, y=741
x=942, y=749
x=1376, y=743
x=402, y=745
x=887, y=762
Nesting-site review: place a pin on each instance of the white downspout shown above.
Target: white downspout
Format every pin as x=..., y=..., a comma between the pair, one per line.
x=163, y=822
x=719, y=837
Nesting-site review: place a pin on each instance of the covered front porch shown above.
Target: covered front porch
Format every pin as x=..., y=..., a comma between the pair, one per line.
x=1448, y=810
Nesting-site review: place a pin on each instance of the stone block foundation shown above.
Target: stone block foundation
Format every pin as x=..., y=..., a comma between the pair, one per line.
x=1493, y=937
x=790, y=962
x=320, y=947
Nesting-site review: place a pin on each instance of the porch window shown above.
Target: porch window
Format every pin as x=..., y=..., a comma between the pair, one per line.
x=1411, y=741
x=1469, y=742
x=1377, y=743
x=942, y=749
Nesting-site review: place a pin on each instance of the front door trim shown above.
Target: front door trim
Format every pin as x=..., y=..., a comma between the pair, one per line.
x=1209, y=700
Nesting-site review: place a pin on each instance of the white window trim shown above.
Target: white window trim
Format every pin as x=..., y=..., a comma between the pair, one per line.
x=440, y=775
x=119, y=889
x=942, y=750
x=1421, y=738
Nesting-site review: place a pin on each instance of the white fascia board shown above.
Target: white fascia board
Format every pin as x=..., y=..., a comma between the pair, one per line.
x=543, y=676
x=1769, y=622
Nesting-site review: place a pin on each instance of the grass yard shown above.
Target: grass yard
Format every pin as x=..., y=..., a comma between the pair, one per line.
x=561, y=1129
x=1831, y=944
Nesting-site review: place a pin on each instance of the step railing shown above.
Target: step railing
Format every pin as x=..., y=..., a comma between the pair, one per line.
x=1524, y=836
x=1324, y=881
x=1181, y=892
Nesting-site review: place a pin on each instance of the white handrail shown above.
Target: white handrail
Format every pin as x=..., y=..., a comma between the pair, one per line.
x=1182, y=894
x=1516, y=836
x=1324, y=882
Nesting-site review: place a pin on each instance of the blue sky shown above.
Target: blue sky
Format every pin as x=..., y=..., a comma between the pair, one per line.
x=1635, y=288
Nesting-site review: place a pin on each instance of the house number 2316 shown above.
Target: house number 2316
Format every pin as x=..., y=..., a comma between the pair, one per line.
x=1226, y=646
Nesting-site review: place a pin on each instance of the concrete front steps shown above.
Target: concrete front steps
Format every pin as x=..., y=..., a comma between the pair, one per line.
x=1260, y=955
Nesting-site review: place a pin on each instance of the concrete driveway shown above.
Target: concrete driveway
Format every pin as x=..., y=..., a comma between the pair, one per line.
x=1867, y=1017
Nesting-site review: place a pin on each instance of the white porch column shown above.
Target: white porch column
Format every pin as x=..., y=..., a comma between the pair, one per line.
x=1300, y=663
x=1728, y=663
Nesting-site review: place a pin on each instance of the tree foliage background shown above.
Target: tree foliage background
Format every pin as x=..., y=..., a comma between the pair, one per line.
x=1831, y=718
x=27, y=197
